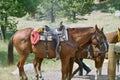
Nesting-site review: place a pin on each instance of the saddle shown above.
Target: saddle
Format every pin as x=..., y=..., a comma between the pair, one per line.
x=63, y=35
x=46, y=34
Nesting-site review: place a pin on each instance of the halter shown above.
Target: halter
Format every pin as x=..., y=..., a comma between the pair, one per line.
x=105, y=43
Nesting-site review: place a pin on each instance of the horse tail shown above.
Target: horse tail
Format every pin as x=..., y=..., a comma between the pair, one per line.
x=10, y=51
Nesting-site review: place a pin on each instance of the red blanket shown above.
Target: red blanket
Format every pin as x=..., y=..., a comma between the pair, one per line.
x=35, y=37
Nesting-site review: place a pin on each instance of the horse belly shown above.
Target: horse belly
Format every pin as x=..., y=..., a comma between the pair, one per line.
x=41, y=52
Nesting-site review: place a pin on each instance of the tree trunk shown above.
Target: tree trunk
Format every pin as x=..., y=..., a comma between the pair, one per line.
x=52, y=13
x=3, y=27
x=32, y=15
x=74, y=16
x=3, y=31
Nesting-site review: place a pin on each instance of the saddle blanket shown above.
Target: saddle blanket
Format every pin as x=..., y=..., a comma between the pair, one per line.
x=35, y=36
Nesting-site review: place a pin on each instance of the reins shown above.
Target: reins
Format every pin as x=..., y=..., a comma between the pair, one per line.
x=100, y=45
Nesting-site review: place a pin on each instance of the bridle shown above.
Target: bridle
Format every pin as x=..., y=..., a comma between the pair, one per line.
x=100, y=44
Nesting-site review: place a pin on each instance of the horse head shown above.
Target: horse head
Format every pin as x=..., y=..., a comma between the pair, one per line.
x=99, y=40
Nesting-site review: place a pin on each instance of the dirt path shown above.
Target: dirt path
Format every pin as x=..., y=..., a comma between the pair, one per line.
x=56, y=75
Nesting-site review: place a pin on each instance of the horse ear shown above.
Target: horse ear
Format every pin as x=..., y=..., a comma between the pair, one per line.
x=96, y=27
x=118, y=29
x=102, y=29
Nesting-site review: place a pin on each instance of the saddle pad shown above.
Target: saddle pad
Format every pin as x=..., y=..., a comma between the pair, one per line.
x=63, y=36
x=49, y=38
x=35, y=36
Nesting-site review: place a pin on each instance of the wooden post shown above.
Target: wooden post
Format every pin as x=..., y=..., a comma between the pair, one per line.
x=111, y=63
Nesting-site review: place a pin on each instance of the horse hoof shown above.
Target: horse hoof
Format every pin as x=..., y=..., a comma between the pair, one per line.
x=41, y=78
x=25, y=78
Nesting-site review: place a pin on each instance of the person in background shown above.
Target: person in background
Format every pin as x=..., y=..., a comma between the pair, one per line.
x=85, y=67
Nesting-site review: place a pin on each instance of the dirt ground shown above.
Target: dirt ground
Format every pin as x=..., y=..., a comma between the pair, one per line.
x=56, y=75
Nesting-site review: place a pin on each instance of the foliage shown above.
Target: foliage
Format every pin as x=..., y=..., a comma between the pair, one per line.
x=30, y=5
x=109, y=6
x=73, y=7
x=49, y=8
x=5, y=9
x=17, y=9
x=12, y=25
x=114, y=5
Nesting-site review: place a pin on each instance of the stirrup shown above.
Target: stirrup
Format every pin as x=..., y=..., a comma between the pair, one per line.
x=57, y=56
x=47, y=54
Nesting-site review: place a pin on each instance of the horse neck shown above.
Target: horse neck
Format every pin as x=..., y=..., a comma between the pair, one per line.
x=80, y=36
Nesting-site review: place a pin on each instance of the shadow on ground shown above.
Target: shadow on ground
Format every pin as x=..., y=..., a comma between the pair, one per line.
x=90, y=77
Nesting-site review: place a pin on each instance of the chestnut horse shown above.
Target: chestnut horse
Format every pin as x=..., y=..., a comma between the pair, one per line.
x=97, y=55
x=112, y=37
x=77, y=37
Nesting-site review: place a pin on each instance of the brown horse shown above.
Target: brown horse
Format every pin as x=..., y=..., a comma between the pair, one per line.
x=112, y=37
x=38, y=61
x=77, y=37
x=97, y=55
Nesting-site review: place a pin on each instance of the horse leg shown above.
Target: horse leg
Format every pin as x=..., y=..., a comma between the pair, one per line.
x=98, y=73
x=117, y=65
x=36, y=59
x=98, y=64
x=39, y=69
x=70, y=68
x=21, y=69
x=65, y=66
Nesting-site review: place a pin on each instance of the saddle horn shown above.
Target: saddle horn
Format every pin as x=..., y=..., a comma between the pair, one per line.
x=61, y=26
x=47, y=28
